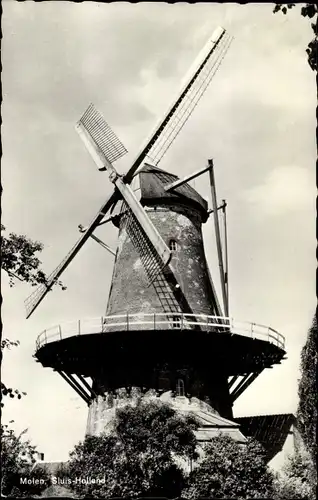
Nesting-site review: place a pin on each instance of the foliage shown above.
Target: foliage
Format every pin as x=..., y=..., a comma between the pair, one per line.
x=140, y=454
x=298, y=478
x=19, y=260
x=307, y=391
x=231, y=470
x=17, y=459
x=309, y=10
x=8, y=391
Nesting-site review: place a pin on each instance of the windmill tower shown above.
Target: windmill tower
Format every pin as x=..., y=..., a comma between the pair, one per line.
x=164, y=329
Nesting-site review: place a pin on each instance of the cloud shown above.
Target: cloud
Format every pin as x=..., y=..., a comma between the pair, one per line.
x=286, y=189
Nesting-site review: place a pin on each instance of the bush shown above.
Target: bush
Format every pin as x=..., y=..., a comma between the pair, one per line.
x=17, y=460
x=141, y=455
x=231, y=470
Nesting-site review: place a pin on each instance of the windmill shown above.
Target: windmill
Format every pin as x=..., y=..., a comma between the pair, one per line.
x=164, y=328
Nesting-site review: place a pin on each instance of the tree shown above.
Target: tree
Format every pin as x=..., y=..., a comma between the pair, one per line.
x=8, y=391
x=20, y=261
x=18, y=479
x=17, y=456
x=141, y=455
x=309, y=10
x=307, y=391
x=299, y=475
x=298, y=478
x=231, y=470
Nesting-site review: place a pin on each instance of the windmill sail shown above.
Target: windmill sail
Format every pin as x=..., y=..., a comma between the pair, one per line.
x=32, y=302
x=102, y=134
x=94, y=130
x=138, y=221
x=148, y=254
x=195, y=84
x=154, y=253
x=189, y=102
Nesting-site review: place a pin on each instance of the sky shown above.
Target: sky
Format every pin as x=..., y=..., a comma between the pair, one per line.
x=256, y=120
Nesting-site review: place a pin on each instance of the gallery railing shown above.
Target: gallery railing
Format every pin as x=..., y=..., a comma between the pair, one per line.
x=160, y=321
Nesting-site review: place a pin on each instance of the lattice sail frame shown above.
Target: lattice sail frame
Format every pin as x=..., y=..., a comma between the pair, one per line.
x=156, y=272
x=99, y=130
x=43, y=288
x=149, y=257
x=190, y=101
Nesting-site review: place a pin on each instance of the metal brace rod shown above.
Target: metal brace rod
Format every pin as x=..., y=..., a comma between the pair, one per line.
x=233, y=380
x=109, y=219
x=244, y=385
x=241, y=383
x=217, y=235
x=180, y=182
x=75, y=382
x=82, y=230
x=103, y=244
x=83, y=381
x=219, y=208
x=75, y=386
x=226, y=271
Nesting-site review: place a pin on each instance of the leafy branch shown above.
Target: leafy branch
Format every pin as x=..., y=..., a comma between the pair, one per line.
x=8, y=391
x=309, y=10
x=20, y=261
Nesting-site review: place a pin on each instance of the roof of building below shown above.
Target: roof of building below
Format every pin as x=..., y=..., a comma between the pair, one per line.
x=270, y=430
x=211, y=423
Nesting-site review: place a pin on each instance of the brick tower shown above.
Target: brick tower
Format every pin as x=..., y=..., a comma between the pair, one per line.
x=153, y=310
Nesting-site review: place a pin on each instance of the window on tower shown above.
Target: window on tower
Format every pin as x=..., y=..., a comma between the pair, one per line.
x=180, y=387
x=173, y=245
x=176, y=323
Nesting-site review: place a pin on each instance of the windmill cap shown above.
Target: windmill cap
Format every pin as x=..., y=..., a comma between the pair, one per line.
x=153, y=182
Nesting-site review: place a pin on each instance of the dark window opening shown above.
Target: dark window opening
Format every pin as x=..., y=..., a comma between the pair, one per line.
x=180, y=387
x=173, y=245
x=164, y=383
x=176, y=323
